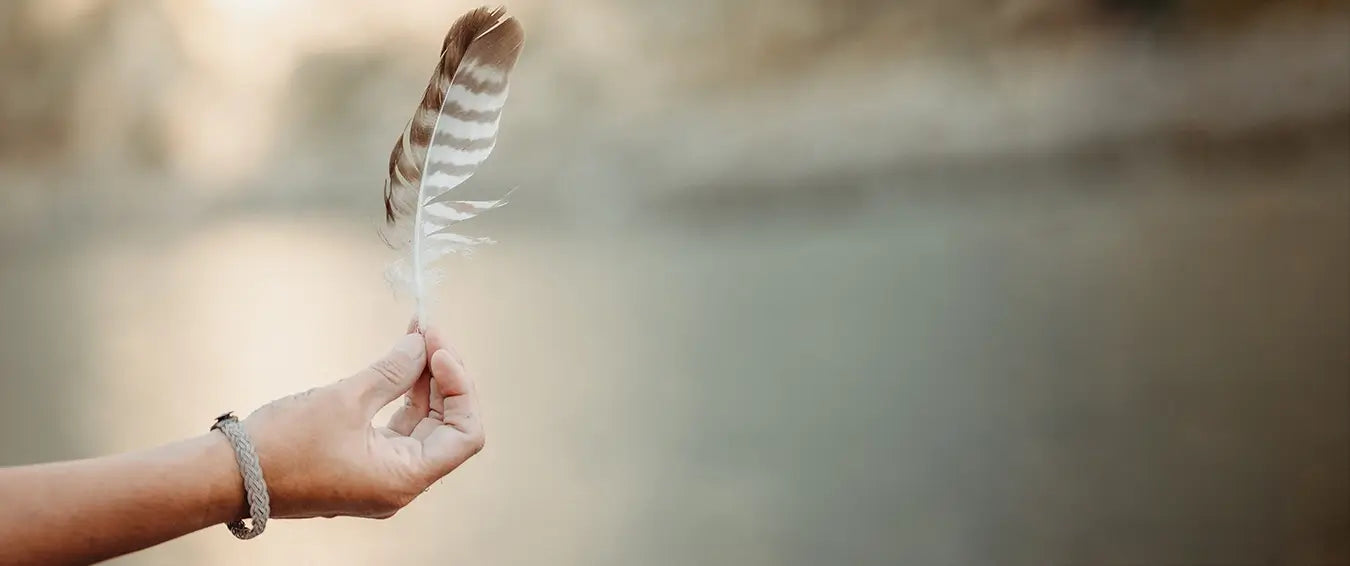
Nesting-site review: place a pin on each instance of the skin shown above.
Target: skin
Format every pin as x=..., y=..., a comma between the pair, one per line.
x=320, y=458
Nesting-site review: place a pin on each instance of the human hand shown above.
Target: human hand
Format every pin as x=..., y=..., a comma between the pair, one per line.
x=321, y=457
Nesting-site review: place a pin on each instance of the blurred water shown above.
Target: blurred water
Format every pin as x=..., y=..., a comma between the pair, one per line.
x=1114, y=363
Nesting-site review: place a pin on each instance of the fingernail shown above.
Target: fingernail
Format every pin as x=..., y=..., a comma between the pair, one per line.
x=412, y=345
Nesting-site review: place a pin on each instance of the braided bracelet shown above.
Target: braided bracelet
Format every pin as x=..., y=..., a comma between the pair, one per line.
x=254, y=486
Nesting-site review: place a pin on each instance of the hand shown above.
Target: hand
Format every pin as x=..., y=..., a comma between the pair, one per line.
x=321, y=457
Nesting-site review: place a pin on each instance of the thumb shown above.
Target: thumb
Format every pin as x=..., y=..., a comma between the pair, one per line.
x=394, y=374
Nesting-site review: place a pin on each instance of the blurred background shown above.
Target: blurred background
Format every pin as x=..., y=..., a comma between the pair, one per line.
x=785, y=282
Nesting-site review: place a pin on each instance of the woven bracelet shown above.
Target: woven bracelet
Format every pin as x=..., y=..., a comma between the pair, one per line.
x=251, y=470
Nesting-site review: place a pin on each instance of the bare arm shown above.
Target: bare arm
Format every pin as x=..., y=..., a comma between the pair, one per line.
x=91, y=510
x=319, y=453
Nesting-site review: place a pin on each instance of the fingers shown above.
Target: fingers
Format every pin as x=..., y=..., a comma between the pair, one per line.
x=459, y=435
x=393, y=375
x=422, y=400
x=435, y=341
x=452, y=381
x=415, y=408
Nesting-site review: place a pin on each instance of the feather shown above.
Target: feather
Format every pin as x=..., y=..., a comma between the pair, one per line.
x=452, y=132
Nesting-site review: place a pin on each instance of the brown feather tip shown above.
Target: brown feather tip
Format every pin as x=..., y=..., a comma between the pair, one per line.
x=484, y=28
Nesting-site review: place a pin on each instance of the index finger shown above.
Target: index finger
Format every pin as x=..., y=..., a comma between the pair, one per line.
x=460, y=434
x=436, y=340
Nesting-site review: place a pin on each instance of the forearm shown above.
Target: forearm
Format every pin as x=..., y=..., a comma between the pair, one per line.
x=91, y=510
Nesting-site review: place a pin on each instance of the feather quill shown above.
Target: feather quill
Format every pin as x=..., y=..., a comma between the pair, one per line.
x=452, y=132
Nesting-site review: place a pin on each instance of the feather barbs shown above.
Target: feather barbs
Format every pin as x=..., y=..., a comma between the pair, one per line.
x=452, y=132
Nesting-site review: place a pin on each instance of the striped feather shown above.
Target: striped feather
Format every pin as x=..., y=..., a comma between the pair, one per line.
x=451, y=134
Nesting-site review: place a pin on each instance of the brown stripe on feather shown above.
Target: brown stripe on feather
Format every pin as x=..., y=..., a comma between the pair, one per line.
x=454, y=110
x=444, y=139
x=477, y=86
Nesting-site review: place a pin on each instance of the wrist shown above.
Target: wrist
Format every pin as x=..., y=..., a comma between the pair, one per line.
x=227, y=499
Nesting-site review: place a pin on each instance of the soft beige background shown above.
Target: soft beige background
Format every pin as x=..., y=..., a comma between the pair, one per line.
x=785, y=282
